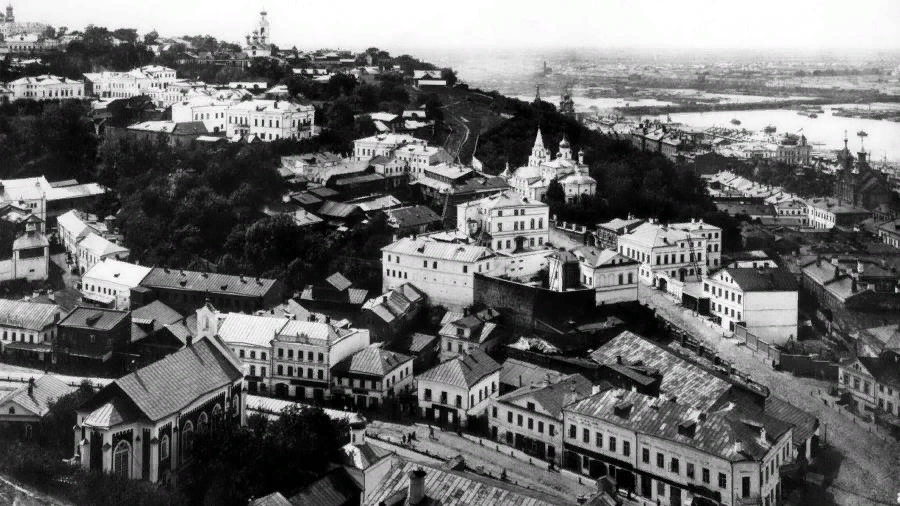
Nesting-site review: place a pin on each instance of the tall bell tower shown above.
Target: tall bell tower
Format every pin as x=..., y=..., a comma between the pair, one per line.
x=263, y=28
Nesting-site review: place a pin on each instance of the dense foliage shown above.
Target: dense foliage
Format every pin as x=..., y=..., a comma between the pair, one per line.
x=230, y=467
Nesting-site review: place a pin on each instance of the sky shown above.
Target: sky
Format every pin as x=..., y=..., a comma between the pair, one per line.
x=405, y=25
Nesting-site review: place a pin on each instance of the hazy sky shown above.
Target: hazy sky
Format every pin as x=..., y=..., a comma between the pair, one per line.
x=407, y=24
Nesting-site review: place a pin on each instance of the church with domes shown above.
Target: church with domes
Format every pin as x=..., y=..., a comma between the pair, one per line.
x=259, y=41
x=533, y=179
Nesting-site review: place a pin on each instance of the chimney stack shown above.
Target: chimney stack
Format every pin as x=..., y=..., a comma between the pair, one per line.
x=416, y=487
x=31, y=387
x=189, y=340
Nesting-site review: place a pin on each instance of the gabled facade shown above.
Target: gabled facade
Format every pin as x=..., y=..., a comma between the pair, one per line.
x=505, y=222
x=477, y=330
x=371, y=375
x=453, y=391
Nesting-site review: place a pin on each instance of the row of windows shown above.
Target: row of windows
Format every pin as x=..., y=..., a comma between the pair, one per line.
x=310, y=372
x=509, y=244
x=262, y=354
x=727, y=311
x=520, y=225
x=310, y=356
x=675, y=467
x=483, y=393
x=551, y=428
x=12, y=335
x=719, y=291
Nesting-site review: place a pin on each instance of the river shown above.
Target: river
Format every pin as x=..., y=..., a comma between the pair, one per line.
x=883, y=139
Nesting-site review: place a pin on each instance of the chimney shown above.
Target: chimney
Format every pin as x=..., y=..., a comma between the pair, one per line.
x=738, y=447
x=327, y=319
x=618, y=359
x=762, y=434
x=30, y=387
x=189, y=340
x=358, y=433
x=416, y=487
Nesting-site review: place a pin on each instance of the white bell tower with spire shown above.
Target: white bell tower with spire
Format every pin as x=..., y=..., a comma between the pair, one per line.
x=539, y=153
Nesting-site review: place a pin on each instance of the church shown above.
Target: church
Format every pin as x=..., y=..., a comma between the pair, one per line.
x=862, y=186
x=259, y=43
x=533, y=180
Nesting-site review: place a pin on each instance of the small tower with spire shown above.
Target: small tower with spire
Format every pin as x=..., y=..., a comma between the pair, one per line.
x=537, y=94
x=539, y=153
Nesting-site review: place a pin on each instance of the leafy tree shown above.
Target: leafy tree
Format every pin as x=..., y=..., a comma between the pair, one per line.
x=129, y=35
x=449, y=75
x=151, y=37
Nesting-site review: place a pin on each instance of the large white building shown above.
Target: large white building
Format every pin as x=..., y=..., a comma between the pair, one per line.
x=613, y=276
x=444, y=271
x=665, y=253
x=670, y=453
x=270, y=120
x=505, y=221
x=534, y=179
x=385, y=145
x=46, y=87
x=453, y=391
x=152, y=80
x=713, y=236
x=764, y=301
x=211, y=109
x=109, y=282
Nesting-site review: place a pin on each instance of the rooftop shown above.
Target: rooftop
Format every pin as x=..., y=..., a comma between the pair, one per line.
x=210, y=282
x=118, y=272
x=239, y=328
x=427, y=248
x=463, y=371
x=550, y=395
x=27, y=315
x=411, y=216
x=775, y=279
x=47, y=389
x=372, y=361
x=94, y=318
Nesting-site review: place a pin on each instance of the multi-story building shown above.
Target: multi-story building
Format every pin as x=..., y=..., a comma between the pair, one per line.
x=152, y=80
x=185, y=291
x=444, y=271
x=250, y=339
x=453, y=391
x=667, y=452
x=665, y=253
x=608, y=233
x=505, y=221
x=874, y=382
x=477, y=330
x=612, y=275
x=792, y=211
x=385, y=145
x=211, y=109
x=851, y=283
x=303, y=353
x=45, y=200
x=827, y=212
x=270, y=120
x=371, y=375
x=28, y=329
x=91, y=335
x=889, y=232
x=154, y=437
x=392, y=313
x=75, y=225
x=713, y=236
x=29, y=254
x=764, y=301
x=530, y=418
x=109, y=283
x=94, y=248
x=46, y=87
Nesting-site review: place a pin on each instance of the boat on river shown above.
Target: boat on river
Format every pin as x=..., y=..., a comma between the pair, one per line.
x=735, y=121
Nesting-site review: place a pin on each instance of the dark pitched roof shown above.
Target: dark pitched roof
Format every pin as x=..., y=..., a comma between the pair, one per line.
x=190, y=128
x=463, y=371
x=273, y=499
x=170, y=384
x=336, y=488
x=520, y=373
x=412, y=216
x=334, y=209
x=210, y=282
x=323, y=192
x=306, y=198
x=551, y=396
x=372, y=361
x=47, y=389
x=94, y=318
x=884, y=368
x=157, y=313
x=763, y=280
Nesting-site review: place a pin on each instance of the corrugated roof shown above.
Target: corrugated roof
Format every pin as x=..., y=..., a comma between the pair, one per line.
x=339, y=281
x=273, y=499
x=118, y=272
x=239, y=328
x=551, y=395
x=47, y=389
x=27, y=315
x=372, y=361
x=174, y=279
x=427, y=248
x=100, y=246
x=763, y=280
x=157, y=313
x=462, y=371
x=336, y=488
x=520, y=373
x=337, y=209
x=412, y=216
x=94, y=318
x=689, y=383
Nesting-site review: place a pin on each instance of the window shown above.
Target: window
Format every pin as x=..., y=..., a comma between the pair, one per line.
x=164, y=448
x=121, y=459
x=689, y=470
x=572, y=432
x=705, y=475
x=645, y=455
x=674, y=466
x=626, y=448
x=202, y=423
x=187, y=438
x=519, y=420
x=586, y=435
x=509, y=416
x=612, y=444
x=530, y=424
x=598, y=439
x=551, y=429
x=540, y=427
x=723, y=480
x=240, y=352
x=494, y=411
x=660, y=461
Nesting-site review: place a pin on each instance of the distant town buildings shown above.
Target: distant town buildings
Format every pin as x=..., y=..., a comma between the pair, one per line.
x=155, y=81
x=46, y=87
x=269, y=120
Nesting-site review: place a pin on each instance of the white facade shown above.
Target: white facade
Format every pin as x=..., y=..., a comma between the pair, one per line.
x=665, y=252
x=371, y=390
x=46, y=87
x=613, y=276
x=444, y=271
x=270, y=120
x=770, y=312
x=111, y=281
x=713, y=236
x=461, y=402
x=384, y=145
x=151, y=80
x=505, y=221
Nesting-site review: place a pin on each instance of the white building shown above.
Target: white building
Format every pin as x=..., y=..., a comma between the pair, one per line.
x=530, y=418
x=612, y=275
x=477, y=330
x=46, y=87
x=533, y=179
x=384, y=145
x=259, y=40
x=713, y=236
x=827, y=212
x=45, y=200
x=453, y=391
x=250, y=339
x=764, y=301
x=28, y=328
x=270, y=120
x=670, y=453
x=372, y=375
x=94, y=248
x=444, y=271
x=873, y=382
x=303, y=353
x=505, y=222
x=211, y=109
x=152, y=80
x=110, y=281
x=665, y=253
x=30, y=257
x=419, y=157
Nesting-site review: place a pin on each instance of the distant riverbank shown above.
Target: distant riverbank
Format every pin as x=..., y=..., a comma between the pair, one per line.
x=751, y=106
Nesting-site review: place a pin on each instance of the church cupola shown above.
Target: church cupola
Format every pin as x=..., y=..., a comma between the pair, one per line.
x=565, y=150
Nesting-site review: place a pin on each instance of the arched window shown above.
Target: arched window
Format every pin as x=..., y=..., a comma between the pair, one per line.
x=122, y=459
x=164, y=448
x=202, y=423
x=217, y=417
x=187, y=438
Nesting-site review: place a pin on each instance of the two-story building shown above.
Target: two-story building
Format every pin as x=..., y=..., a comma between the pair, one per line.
x=452, y=391
x=250, y=339
x=28, y=329
x=143, y=425
x=383, y=145
x=476, y=330
x=270, y=120
x=505, y=221
x=665, y=253
x=371, y=375
x=764, y=301
x=607, y=234
x=185, y=291
x=874, y=382
x=612, y=275
x=392, y=313
x=530, y=418
x=46, y=87
x=666, y=452
x=443, y=271
x=828, y=212
x=713, y=236
x=95, y=248
x=889, y=233
x=91, y=335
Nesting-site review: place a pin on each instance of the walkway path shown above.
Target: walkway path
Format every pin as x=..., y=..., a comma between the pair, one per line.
x=870, y=470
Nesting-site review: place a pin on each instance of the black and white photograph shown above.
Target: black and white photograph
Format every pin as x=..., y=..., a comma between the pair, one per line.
x=477, y=253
